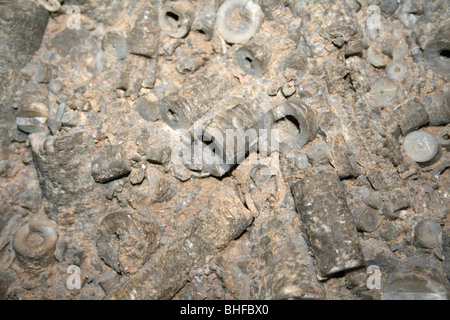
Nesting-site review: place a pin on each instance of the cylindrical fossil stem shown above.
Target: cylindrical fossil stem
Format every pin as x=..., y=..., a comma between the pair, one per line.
x=293, y=276
x=144, y=37
x=33, y=113
x=411, y=116
x=182, y=109
x=253, y=58
x=239, y=20
x=204, y=23
x=302, y=121
x=175, y=18
x=332, y=235
x=226, y=134
x=71, y=153
x=22, y=25
x=438, y=109
x=437, y=51
x=168, y=269
x=116, y=241
x=35, y=242
x=341, y=158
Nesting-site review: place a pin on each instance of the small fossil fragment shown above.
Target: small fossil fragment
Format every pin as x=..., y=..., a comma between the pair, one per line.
x=444, y=137
x=50, y=5
x=233, y=118
x=143, y=45
x=143, y=39
x=239, y=20
x=147, y=109
x=394, y=201
x=109, y=164
x=417, y=278
x=291, y=269
x=388, y=7
x=366, y=219
x=341, y=158
x=175, y=18
x=137, y=71
x=437, y=51
x=181, y=109
x=125, y=242
x=400, y=50
x=204, y=23
x=396, y=70
x=375, y=57
x=318, y=153
x=373, y=199
x=428, y=233
x=37, y=72
x=411, y=116
x=421, y=147
x=384, y=91
x=300, y=120
x=115, y=44
x=33, y=113
x=253, y=58
x=437, y=108
x=35, y=242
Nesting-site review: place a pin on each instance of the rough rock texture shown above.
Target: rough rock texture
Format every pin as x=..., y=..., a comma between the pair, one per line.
x=98, y=198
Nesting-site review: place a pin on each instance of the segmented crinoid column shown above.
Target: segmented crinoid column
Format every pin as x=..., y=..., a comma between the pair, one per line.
x=320, y=200
x=125, y=242
x=181, y=109
x=296, y=123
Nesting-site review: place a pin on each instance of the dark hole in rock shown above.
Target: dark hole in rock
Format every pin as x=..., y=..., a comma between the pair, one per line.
x=172, y=115
x=249, y=61
x=173, y=18
x=445, y=53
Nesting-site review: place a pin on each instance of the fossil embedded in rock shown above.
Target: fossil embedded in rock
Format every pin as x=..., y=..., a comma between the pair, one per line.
x=437, y=108
x=421, y=147
x=50, y=5
x=126, y=242
x=444, y=137
x=295, y=122
x=411, y=116
x=320, y=200
x=384, y=91
x=253, y=58
x=437, y=51
x=175, y=18
x=428, y=233
x=35, y=242
x=180, y=110
x=115, y=44
x=109, y=164
x=226, y=135
x=396, y=70
x=239, y=20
